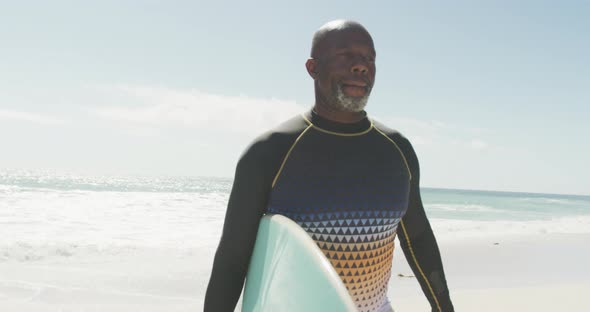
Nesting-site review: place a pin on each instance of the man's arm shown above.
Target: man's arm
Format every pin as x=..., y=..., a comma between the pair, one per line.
x=419, y=244
x=246, y=205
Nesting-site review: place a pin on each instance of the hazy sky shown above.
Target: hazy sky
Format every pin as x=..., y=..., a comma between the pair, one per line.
x=493, y=94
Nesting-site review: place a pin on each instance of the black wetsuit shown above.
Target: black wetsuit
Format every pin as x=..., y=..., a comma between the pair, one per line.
x=352, y=187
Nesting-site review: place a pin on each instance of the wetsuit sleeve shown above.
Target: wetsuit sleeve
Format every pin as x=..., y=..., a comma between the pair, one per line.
x=419, y=244
x=246, y=205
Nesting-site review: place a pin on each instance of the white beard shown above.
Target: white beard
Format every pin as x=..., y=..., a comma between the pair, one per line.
x=349, y=103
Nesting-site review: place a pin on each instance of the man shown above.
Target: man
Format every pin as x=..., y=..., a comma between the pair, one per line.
x=334, y=164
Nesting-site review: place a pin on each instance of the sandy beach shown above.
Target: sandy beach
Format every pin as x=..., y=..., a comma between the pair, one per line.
x=545, y=272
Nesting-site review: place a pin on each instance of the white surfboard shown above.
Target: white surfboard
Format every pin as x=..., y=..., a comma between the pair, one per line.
x=289, y=272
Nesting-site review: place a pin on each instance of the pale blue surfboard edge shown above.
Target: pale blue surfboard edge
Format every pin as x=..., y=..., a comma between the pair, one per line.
x=289, y=272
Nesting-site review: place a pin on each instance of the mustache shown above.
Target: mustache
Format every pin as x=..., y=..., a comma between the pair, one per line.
x=368, y=85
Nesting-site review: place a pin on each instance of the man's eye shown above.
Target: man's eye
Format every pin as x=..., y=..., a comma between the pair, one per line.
x=348, y=56
x=344, y=56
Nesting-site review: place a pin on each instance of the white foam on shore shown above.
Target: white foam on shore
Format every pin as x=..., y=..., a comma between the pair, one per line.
x=462, y=208
x=105, y=219
x=50, y=223
x=451, y=229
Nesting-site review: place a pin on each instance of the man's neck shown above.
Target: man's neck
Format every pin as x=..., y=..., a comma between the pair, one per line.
x=338, y=116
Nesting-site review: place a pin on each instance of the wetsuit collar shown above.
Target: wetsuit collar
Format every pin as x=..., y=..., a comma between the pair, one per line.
x=339, y=127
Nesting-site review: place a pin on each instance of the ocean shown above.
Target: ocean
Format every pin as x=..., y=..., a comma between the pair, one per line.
x=48, y=214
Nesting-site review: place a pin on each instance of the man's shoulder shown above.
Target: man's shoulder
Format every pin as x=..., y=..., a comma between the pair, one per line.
x=282, y=133
x=278, y=139
x=399, y=139
x=391, y=133
x=290, y=127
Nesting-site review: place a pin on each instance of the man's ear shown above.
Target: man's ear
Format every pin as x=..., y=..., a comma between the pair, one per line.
x=312, y=68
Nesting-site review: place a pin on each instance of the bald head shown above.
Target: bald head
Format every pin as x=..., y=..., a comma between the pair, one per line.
x=342, y=65
x=325, y=35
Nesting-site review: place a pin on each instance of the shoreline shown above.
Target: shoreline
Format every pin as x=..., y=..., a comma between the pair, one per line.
x=521, y=273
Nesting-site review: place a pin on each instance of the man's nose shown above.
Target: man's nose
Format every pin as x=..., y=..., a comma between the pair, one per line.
x=359, y=68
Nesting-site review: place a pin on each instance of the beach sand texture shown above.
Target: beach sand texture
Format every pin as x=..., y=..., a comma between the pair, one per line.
x=530, y=273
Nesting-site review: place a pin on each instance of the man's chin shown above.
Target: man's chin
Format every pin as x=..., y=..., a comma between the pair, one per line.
x=347, y=103
x=352, y=105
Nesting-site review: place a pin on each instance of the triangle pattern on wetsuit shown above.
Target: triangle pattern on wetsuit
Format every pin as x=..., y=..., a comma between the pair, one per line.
x=349, y=193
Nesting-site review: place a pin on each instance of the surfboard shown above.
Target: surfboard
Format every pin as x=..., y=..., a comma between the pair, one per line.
x=289, y=272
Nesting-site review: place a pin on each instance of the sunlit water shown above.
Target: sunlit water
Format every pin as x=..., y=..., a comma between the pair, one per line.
x=54, y=215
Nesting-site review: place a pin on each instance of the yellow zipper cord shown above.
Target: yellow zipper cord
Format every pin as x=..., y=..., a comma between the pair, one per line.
x=338, y=133
x=274, y=181
x=399, y=150
x=419, y=268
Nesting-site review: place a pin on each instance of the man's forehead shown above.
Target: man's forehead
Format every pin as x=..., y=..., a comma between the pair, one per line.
x=340, y=34
x=352, y=37
x=347, y=38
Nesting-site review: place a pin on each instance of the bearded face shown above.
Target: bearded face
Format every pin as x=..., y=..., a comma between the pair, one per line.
x=348, y=103
x=344, y=70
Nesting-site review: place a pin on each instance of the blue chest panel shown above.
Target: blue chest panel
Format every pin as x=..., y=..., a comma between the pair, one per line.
x=349, y=192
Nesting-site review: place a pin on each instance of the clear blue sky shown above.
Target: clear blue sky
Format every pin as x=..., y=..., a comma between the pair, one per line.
x=493, y=94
